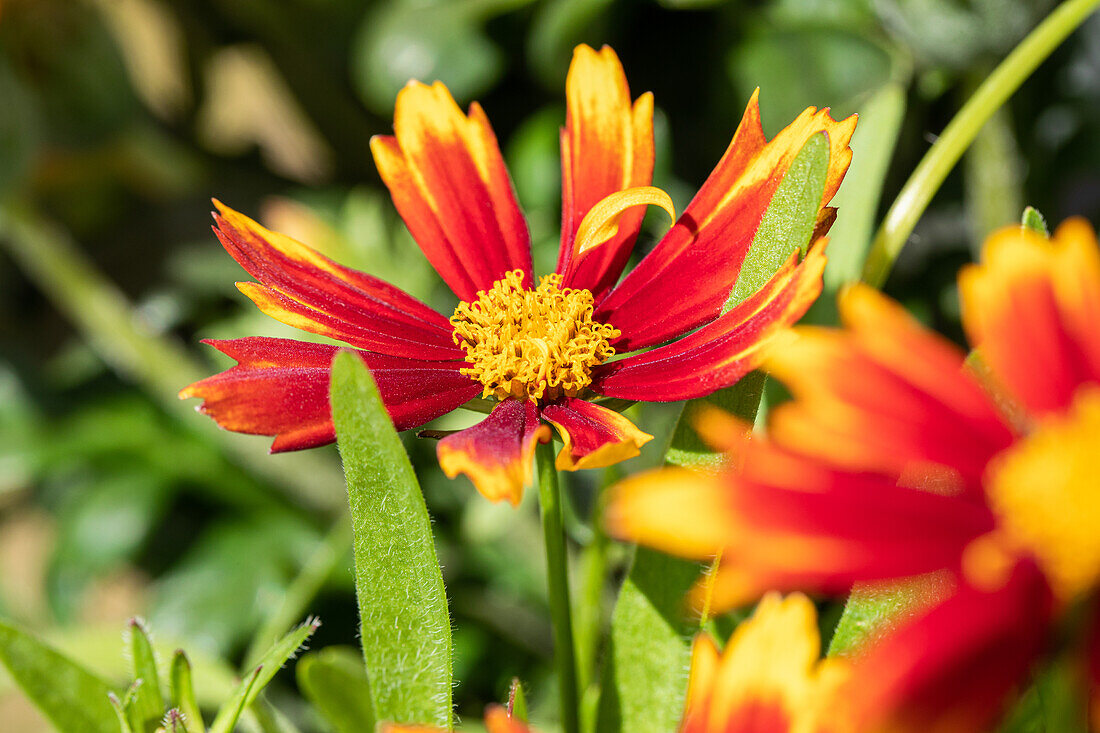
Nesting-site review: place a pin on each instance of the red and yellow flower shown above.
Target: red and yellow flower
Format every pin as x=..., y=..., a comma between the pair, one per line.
x=540, y=348
x=770, y=677
x=899, y=458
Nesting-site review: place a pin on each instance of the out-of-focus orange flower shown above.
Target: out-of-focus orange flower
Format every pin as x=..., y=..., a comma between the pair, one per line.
x=540, y=349
x=770, y=677
x=895, y=459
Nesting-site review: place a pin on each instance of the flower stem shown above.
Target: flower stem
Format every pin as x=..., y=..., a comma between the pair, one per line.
x=961, y=131
x=557, y=575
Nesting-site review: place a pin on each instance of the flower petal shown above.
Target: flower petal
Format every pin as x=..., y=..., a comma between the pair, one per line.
x=280, y=387
x=594, y=436
x=684, y=282
x=951, y=669
x=724, y=350
x=884, y=395
x=496, y=453
x=1031, y=308
x=606, y=146
x=448, y=181
x=790, y=522
x=304, y=289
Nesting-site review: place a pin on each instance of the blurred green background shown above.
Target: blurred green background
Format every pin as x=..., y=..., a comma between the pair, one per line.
x=120, y=119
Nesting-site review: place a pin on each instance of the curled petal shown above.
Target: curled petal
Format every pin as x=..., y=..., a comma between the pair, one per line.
x=594, y=436
x=448, y=181
x=952, y=669
x=496, y=453
x=724, y=350
x=684, y=282
x=280, y=387
x=1030, y=309
x=304, y=289
x=603, y=220
x=884, y=395
x=606, y=146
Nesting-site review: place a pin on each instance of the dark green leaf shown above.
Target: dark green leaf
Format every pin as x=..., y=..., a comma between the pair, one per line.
x=334, y=681
x=72, y=698
x=404, y=624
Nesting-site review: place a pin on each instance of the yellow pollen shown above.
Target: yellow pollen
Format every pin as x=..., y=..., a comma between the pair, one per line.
x=531, y=344
x=1046, y=492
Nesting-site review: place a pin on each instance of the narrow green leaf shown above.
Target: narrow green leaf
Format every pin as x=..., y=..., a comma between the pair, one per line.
x=183, y=693
x=120, y=711
x=857, y=201
x=789, y=220
x=405, y=629
x=72, y=698
x=1034, y=221
x=334, y=681
x=251, y=686
x=148, y=706
x=645, y=675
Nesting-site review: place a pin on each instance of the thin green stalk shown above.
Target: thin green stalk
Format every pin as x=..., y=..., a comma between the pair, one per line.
x=557, y=581
x=331, y=553
x=960, y=132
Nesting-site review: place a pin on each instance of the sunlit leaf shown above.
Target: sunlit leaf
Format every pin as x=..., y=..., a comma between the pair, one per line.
x=182, y=694
x=405, y=629
x=148, y=705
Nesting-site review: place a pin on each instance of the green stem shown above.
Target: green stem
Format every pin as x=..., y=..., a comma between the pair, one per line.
x=557, y=581
x=960, y=132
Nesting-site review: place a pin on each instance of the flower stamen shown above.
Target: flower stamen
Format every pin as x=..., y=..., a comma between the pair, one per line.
x=531, y=344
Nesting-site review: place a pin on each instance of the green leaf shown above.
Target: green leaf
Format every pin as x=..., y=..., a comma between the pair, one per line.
x=645, y=677
x=789, y=221
x=873, y=608
x=517, y=701
x=334, y=681
x=1034, y=221
x=405, y=629
x=72, y=698
x=251, y=686
x=147, y=707
x=183, y=693
x=121, y=711
x=857, y=201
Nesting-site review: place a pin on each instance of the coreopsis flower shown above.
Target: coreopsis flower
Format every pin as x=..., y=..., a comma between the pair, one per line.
x=542, y=348
x=898, y=459
x=770, y=677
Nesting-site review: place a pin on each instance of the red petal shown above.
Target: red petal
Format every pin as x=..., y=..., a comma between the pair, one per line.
x=684, y=282
x=280, y=387
x=594, y=436
x=723, y=351
x=606, y=146
x=448, y=181
x=952, y=669
x=1031, y=308
x=496, y=453
x=884, y=394
x=309, y=291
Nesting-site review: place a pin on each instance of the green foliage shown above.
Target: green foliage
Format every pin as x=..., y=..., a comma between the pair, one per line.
x=146, y=706
x=334, y=681
x=257, y=679
x=1032, y=219
x=182, y=695
x=69, y=695
x=405, y=630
